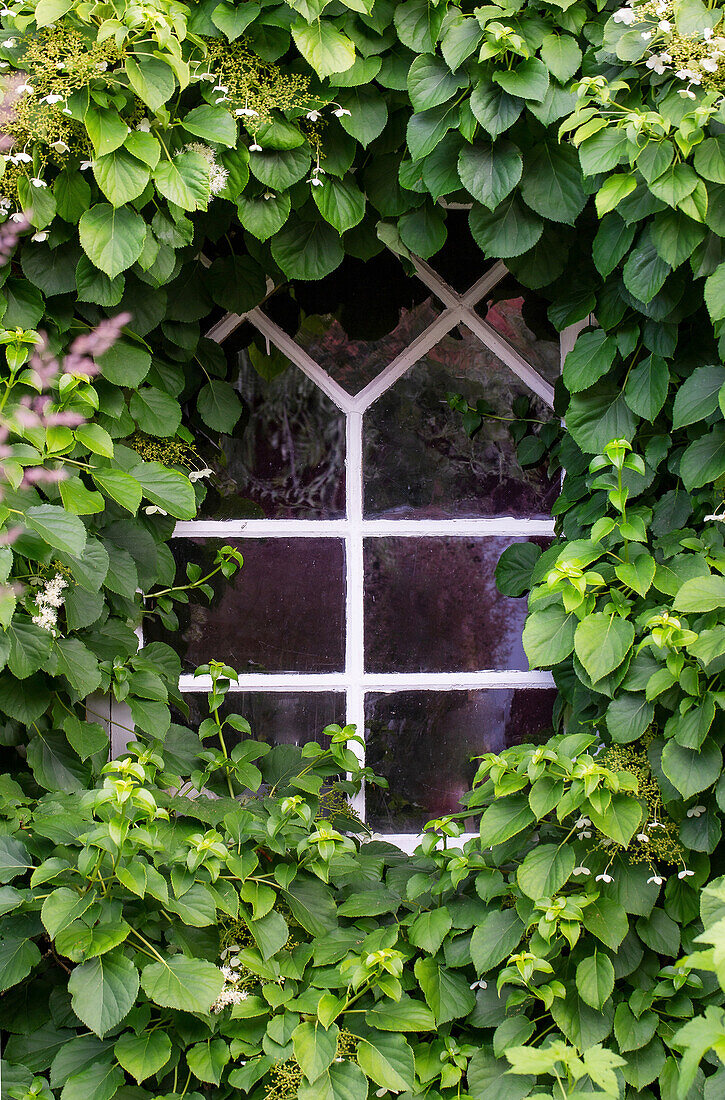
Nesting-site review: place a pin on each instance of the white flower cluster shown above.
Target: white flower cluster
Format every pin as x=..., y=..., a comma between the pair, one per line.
x=231, y=994
x=643, y=838
x=48, y=601
x=693, y=71
x=218, y=175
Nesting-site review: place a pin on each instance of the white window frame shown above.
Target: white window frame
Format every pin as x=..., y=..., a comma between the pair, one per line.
x=355, y=682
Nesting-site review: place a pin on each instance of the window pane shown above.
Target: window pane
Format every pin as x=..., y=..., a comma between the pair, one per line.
x=286, y=456
x=421, y=742
x=276, y=718
x=524, y=323
x=419, y=460
x=283, y=612
x=432, y=605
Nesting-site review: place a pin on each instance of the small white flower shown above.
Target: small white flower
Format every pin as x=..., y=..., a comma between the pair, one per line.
x=24, y=89
x=582, y=870
x=709, y=65
x=687, y=94
x=626, y=16
x=665, y=25
x=316, y=182
x=37, y=182
x=269, y=195
x=381, y=1092
x=246, y=112
x=221, y=99
x=144, y=126
x=313, y=115
x=220, y=88
x=4, y=64
x=17, y=217
x=656, y=824
x=254, y=148
x=480, y=984
x=85, y=165
x=9, y=43
x=707, y=33
x=585, y=834
x=643, y=838
x=40, y=236
x=60, y=146
x=657, y=879
x=197, y=475
x=6, y=11
x=583, y=822
x=646, y=35
x=655, y=64
x=152, y=510
x=684, y=873
x=21, y=158
x=696, y=811
x=604, y=877
x=66, y=111
x=340, y=112
x=52, y=99
x=665, y=59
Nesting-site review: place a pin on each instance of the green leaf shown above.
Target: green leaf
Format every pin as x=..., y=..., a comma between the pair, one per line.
x=15, y=859
x=582, y=1025
x=151, y=79
x=98, y=1081
x=95, y=438
x=602, y=642
x=232, y=20
x=62, y=907
x=611, y=243
x=490, y=172
x=675, y=236
x=340, y=202
x=646, y=388
x=590, y=358
x=368, y=114
x=59, y=529
x=264, y=217
x=50, y=11
x=495, y=938
x=72, y=195
x=184, y=180
x=85, y=738
x=125, y=364
x=645, y=271
x=552, y=183
x=79, y=500
x=629, y=715
x=675, y=184
x=166, y=488
x=701, y=594
x=324, y=48
x=446, y=991
x=423, y=231
x=613, y=190
x=595, y=980
x=607, y=920
x=103, y=991
x=515, y=566
x=715, y=293
x=428, y=128
x=207, y=1060
x=143, y=1055
x=660, y=932
x=387, y=1059
x=106, y=129
x=219, y=405
x=495, y=109
x=112, y=239
x=697, y=397
x=120, y=486
x=504, y=818
x=461, y=38
x=528, y=80
x=430, y=82
x=270, y=933
x=704, y=460
x=418, y=24
x=155, y=412
x=17, y=959
x=545, y=870
x=344, y=1080
x=212, y=124
x=430, y=929
x=29, y=648
x=509, y=230
x=54, y=765
x=190, y=985
x=691, y=770
x=307, y=250
x=120, y=176
x=599, y=415
x=548, y=636
x=488, y=1077
x=311, y=903
x=620, y=820
x=278, y=169
x=315, y=1047
x=561, y=55
x=406, y=1014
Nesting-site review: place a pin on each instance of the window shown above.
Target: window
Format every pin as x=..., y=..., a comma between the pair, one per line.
x=371, y=524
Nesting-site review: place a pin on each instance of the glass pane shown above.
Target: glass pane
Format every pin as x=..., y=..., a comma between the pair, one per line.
x=285, y=458
x=422, y=741
x=284, y=611
x=419, y=460
x=524, y=323
x=432, y=605
x=276, y=718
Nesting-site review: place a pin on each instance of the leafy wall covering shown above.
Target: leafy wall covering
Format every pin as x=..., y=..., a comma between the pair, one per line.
x=169, y=159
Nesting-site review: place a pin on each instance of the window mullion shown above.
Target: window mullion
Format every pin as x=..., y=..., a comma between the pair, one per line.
x=355, y=576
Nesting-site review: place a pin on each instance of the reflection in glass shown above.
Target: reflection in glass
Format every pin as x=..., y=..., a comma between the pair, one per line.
x=276, y=718
x=418, y=458
x=285, y=458
x=524, y=323
x=355, y=362
x=421, y=742
x=432, y=605
x=284, y=611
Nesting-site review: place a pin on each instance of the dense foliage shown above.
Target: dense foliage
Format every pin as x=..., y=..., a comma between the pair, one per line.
x=170, y=159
